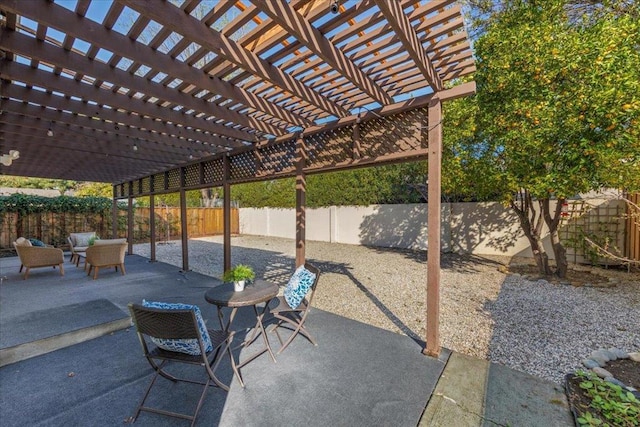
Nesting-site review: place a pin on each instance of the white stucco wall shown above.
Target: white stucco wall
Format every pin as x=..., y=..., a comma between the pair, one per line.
x=477, y=228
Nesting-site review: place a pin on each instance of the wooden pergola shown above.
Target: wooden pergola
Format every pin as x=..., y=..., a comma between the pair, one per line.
x=161, y=96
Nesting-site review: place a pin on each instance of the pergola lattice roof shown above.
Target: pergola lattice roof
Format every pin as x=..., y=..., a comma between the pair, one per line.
x=133, y=88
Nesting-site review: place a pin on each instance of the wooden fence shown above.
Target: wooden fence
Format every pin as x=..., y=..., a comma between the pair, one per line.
x=200, y=222
x=53, y=228
x=633, y=227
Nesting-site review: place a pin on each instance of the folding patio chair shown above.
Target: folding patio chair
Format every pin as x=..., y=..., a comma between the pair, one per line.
x=162, y=328
x=288, y=314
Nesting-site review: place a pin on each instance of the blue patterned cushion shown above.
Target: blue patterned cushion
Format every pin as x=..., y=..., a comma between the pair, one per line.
x=36, y=242
x=298, y=286
x=188, y=346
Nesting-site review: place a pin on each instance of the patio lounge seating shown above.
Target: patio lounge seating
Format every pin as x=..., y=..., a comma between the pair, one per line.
x=294, y=318
x=105, y=255
x=177, y=324
x=78, y=244
x=35, y=256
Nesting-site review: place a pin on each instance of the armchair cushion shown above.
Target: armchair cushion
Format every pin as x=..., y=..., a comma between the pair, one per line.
x=36, y=242
x=21, y=241
x=82, y=239
x=188, y=346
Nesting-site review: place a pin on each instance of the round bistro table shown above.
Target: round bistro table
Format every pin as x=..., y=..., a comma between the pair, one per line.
x=259, y=291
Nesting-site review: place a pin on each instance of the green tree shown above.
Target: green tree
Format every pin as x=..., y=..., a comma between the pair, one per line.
x=559, y=108
x=40, y=183
x=94, y=189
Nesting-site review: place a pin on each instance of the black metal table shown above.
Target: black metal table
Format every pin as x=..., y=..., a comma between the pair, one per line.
x=260, y=291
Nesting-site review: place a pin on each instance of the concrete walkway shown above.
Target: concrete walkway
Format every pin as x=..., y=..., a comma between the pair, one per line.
x=70, y=359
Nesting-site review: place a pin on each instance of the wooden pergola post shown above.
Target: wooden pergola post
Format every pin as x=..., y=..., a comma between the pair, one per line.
x=184, y=233
x=301, y=196
x=433, y=227
x=152, y=226
x=114, y=215
x=130, y=220
x=226, y=209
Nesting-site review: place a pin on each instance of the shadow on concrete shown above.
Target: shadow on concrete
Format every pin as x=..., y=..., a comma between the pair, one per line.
x=358, y=375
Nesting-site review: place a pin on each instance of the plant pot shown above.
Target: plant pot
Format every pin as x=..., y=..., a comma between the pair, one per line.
x=238, y=286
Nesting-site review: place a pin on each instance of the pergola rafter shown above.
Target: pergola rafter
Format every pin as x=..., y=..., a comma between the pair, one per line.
x=162, y=96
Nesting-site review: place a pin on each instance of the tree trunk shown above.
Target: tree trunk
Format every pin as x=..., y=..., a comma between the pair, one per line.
x=207, y=200
x=532, y=222
x=553, y=222
x=540, y=255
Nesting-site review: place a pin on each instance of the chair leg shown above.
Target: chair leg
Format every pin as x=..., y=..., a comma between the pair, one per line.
x=297, y=327
x=122, y=269
x=21, y=267
x=61, y=269
x=95, y=273
x=26, y=274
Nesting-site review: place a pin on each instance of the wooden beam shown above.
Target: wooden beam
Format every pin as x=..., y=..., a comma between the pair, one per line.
x=130, y=222
x=52, y=15
x=114, y=215
x=184, y=235
x=402, y=26
x=88, y=138
x=289, y=19
x=102, y=130
x=182, y=23
x=455, y=92
x=176, y=136
x=70, y=87
x=301, y=202
x=226, y=207
x=152, y=226
x=46, y=52
x=433, y=228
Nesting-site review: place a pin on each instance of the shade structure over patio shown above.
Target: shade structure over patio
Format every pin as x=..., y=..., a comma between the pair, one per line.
x=165, y=96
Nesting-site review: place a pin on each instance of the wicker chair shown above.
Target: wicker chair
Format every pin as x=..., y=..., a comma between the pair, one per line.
x=172, y=324
x=99, y=256
x=35, y=256
x=78, y=244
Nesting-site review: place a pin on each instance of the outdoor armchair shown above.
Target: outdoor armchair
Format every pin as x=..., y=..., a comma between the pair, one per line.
x=291, y=309
x=105, y=255
x=36, y=256
x=165, y=334
x=78, y=244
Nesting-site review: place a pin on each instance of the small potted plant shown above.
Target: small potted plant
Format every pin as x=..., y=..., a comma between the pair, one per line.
x=239, y=275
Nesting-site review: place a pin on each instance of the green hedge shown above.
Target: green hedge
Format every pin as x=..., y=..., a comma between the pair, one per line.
x=27, y=204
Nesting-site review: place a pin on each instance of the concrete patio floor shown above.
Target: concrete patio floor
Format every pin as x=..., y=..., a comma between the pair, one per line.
x=358, y=375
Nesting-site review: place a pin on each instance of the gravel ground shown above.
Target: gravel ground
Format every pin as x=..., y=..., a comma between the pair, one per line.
x=533, y=326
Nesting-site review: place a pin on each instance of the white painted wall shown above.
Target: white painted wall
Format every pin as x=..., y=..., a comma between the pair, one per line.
x=477, y=228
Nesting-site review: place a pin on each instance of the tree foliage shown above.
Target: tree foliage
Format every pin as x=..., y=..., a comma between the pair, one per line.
x=39, y=183
x=559, y=107
x=94, y=189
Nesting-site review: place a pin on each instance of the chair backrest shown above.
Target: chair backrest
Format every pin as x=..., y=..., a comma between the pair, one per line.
x=100, y=242
x=81, y=239
x=315, y=270
x=21, y=241
x=106, y=254
x=165, y=323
